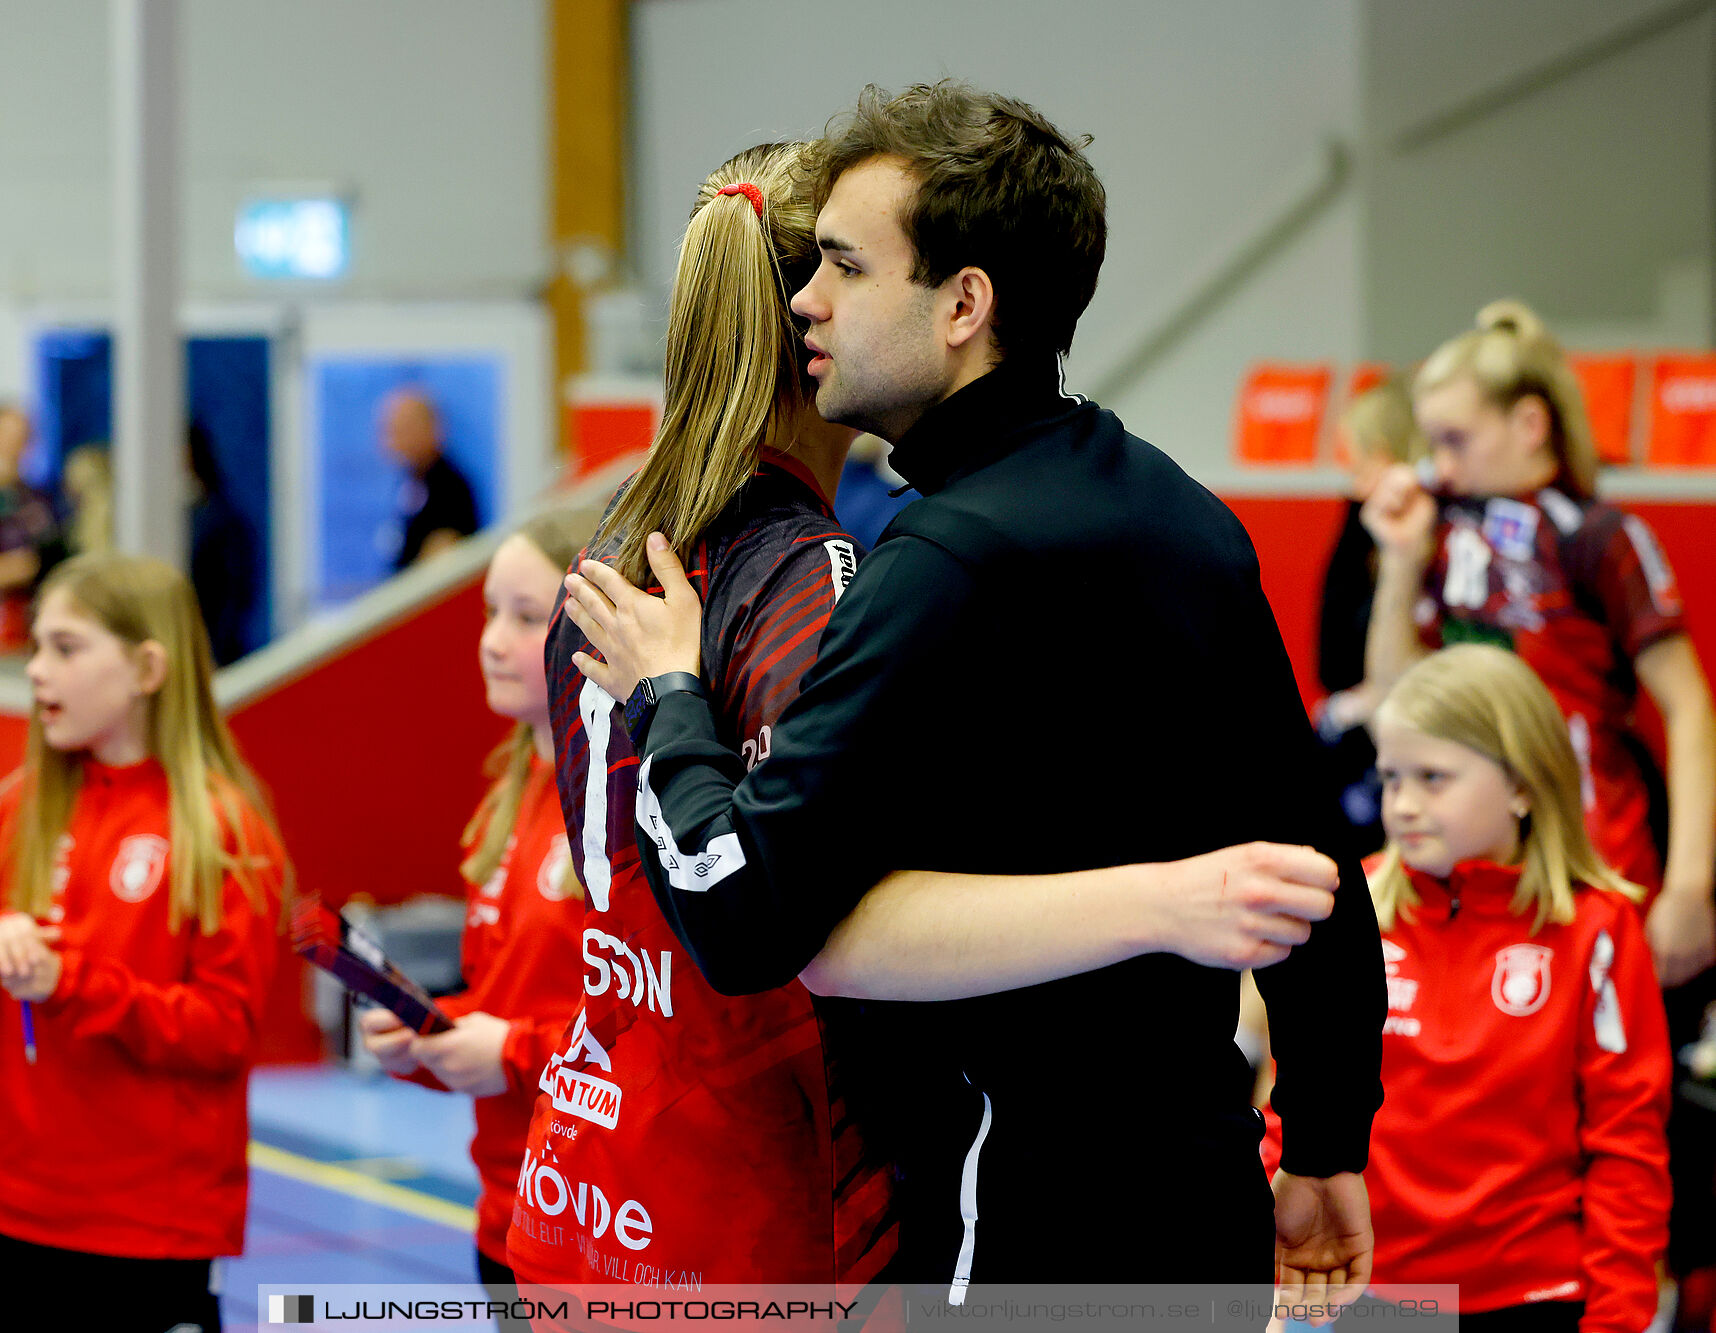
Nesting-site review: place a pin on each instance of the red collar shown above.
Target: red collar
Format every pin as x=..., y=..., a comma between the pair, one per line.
x=794, y=467
x=1479, y=886
x=142, y=773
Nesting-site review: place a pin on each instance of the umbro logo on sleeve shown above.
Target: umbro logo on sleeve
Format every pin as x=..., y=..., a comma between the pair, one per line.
x=842, y=561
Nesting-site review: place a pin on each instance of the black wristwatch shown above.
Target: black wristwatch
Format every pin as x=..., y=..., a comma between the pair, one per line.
x=641, y=706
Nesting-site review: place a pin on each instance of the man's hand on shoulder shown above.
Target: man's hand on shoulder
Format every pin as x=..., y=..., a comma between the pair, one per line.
x=636, y=634
x=1242, y=906
x=1323, y=1240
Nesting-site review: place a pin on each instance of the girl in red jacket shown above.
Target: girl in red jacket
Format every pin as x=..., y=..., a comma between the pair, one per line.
x=1520, y=1152
x=140, y=890
x=525, y=915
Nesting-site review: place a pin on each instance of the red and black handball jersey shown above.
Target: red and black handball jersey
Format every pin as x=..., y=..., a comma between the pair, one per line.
x=1578, y=589
x=681, y=1136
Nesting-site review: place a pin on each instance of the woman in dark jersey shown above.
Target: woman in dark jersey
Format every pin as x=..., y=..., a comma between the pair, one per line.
x=683, y=1137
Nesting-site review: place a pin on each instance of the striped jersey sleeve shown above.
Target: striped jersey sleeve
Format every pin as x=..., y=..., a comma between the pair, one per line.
x=771, y=605
x=1640, y=596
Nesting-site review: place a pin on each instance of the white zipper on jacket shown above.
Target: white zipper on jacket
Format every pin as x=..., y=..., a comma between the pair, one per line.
x=968, y=1207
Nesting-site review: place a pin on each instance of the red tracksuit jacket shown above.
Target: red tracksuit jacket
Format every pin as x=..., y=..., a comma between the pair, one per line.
x=127, y=1137
x=1520, y=1149
x=521, y=928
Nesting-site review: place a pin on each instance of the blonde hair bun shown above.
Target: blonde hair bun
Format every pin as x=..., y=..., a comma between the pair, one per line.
x=1515, y=317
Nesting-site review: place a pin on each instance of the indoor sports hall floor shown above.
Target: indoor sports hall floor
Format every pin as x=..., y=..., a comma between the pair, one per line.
x=354, y=1178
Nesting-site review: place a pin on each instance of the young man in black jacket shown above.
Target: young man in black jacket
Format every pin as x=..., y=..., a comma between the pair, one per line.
x=1059, y=659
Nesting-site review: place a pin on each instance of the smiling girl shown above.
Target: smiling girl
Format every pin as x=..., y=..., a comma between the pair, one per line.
x=140, y=888
x=525, y=914
x=1520, y=1151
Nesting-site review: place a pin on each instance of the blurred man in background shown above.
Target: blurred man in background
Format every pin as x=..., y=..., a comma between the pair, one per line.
x=435, y=504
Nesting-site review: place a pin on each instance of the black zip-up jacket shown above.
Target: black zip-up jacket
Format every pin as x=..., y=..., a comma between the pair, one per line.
x=1060, y=658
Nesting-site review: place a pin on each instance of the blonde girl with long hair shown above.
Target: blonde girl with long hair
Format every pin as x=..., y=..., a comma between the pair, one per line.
x=1520, y=1151
x=140, y=899
x=1514, y=548
x=525, y=913
x=713, y=1125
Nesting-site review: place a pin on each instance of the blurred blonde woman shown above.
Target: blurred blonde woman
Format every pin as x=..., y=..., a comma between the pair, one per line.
x=525, y=911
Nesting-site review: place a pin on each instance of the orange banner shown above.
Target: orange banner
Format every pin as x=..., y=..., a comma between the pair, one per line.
x=1683, y=411
x=1366, y=376
x=1608, y=382
x=1280, y=414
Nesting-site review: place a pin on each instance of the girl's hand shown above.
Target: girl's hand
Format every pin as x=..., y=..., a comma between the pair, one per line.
x=1401, y=515
x=637, y=635
x=467, y=1059
x=24, y=952
x=388, y=1040
x=40, y=982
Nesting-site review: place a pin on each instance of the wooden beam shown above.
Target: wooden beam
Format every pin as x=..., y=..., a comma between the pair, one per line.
x=588, y=83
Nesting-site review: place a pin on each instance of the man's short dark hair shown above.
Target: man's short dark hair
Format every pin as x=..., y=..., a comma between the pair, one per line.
x=999, y=188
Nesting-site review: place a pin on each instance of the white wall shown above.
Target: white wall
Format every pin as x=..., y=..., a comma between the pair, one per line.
x=430, y=114
x=1591, y=197
x=1205, y=116
x=430, y=111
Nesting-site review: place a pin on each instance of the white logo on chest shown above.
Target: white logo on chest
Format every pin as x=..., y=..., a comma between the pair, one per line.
x=138, y=867
x=552, y=881
x=576, y=1092
x=1402, y=991
x=1521, y=982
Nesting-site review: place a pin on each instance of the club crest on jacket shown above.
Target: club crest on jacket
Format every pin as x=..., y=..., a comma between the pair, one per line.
x=1521, y=982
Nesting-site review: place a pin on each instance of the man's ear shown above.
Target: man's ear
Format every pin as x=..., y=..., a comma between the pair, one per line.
x=973, y=311
x=151, y=666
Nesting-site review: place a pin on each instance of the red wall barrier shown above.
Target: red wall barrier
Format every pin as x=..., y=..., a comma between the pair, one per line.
x=1293, y=536
x=14, y=734
x=374, y=762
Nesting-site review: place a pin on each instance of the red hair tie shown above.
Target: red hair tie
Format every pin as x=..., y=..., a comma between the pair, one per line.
x=750, y=192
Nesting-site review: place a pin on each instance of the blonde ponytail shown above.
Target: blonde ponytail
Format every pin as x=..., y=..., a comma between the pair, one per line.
x=1510, y=355
x=732, y=378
